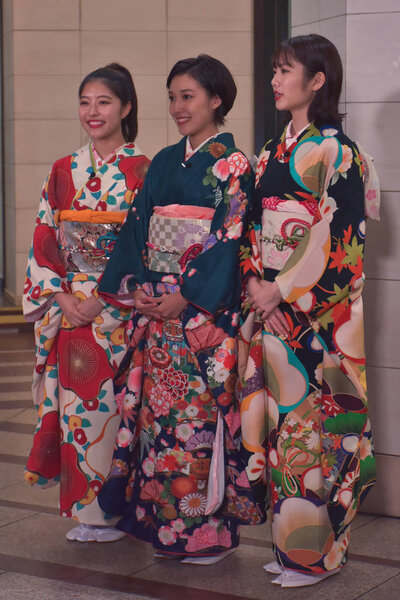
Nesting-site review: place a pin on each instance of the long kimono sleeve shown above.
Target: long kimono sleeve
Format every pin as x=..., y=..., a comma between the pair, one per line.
x=127, y=267
x=326, y=268
x=210, y=281
x=45, y=273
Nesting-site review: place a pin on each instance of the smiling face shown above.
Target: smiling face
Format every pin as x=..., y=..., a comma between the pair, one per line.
x=192, y=109
x=101, y=113
x=292, y=91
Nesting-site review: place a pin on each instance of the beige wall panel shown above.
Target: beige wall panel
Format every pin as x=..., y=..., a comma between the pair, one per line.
x=46, y=97
x=384, y=409
x=38, y=142
x=377, y=127
x=152, y=136
x=41, y=14
x=364, y=39
x=143, y=53
x=173, y=133
x=209, y=15
x=305, y=29
x=7, y=15
x=24, y=229
x=123, y=15
x=46, y=53
x=304, y=11
x=383, y=241
x=235, y=49
x=243, y=106
x=28, y=184
x=329, y=8
x=371, y=6
x=383, y=499
x=382, y=330
x=9, y=141
x=242, y=131
x=152, y=96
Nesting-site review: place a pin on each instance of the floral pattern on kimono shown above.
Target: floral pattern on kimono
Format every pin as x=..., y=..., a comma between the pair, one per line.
x=74, y=367
x=176, y=384
x=306, y=431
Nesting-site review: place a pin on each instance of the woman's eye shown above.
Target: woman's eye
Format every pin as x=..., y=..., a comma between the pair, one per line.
x=187, y=96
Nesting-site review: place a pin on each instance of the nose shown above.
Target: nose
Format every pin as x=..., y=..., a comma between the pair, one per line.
x=93, y=109
x=274, y=80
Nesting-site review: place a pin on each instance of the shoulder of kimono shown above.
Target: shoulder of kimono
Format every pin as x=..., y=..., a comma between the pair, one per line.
x=66, y=161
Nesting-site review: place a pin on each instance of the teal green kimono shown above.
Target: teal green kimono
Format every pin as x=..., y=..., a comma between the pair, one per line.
x=176, y=387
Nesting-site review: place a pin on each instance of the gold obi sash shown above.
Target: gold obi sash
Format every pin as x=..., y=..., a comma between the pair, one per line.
x=177, y=233
x=87, y=238
x=284, y=224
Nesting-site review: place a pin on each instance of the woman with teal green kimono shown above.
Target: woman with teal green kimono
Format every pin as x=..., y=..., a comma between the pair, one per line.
x=176, y=479
x=306, y=432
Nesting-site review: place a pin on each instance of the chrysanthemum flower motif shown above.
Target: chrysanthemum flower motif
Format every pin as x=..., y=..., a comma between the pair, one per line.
x=193, y=505
x=216, y=149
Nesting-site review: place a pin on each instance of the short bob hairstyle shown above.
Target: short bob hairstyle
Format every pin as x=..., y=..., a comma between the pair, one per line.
x=316, y=53
x=213, y=76
x=119, y=80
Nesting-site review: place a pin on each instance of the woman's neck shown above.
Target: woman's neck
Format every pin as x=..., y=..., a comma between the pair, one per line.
x=106, y=147
x=299, y=120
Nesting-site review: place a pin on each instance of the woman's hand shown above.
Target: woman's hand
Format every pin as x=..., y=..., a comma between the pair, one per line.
x=69, y=306
x=276, y=323
x=170, y=306
x=146, y=305
x=265, y=296
x=90, y=308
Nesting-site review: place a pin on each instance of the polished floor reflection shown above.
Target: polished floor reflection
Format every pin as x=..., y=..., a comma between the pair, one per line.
x=37, y=562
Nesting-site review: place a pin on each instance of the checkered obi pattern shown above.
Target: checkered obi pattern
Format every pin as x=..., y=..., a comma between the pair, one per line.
x=175, y=240
x=86, y=247
x=284, y=224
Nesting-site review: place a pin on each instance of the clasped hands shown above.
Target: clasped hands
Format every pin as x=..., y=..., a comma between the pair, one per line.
x=78, y=312
x=265, y=297
x=167, y=306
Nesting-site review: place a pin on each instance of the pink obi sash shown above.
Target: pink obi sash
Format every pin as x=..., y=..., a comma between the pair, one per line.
x=284, y=224
x=177, y=233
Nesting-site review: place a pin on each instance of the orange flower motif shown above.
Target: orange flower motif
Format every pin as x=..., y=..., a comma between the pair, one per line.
x=216, y=149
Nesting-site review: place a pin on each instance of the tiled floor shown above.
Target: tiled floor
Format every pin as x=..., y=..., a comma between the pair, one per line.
x=37, y=562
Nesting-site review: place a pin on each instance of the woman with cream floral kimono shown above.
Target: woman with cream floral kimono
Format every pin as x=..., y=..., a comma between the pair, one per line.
x=79, y=344
x=306, y=432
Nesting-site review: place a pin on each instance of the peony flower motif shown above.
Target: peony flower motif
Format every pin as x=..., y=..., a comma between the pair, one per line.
x=166, y=535
x=347, y=159
x=193, y=505
x=221, y=169
x=135, y=380
x=238, y=164
x=175, y=382
x=148, y=467
x=151, y=491
x=80, y=436
x=124, y=437
x=161, y=401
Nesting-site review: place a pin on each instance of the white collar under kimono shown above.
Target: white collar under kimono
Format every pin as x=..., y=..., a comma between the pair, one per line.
x=189, y=150
x=289, y=138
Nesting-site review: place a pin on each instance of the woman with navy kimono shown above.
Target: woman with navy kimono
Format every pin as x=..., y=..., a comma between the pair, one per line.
x=176, y=477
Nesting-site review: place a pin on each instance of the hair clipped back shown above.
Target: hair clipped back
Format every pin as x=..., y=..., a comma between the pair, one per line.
x=316, y=53
x=119, y=80
x=213, y=76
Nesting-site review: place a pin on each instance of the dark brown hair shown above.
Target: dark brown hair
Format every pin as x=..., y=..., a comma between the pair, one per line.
x=316, y=53
x=213, y=76
x=119, y=80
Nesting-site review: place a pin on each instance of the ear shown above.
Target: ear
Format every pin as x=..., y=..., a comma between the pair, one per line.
x=126, y=110
x=318, y=81
x=215, y=102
